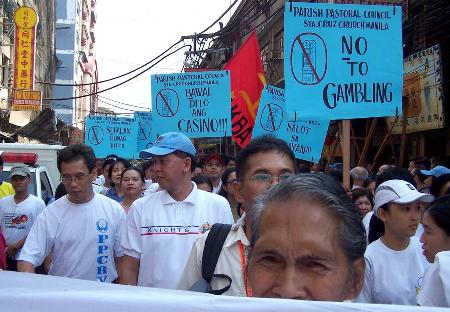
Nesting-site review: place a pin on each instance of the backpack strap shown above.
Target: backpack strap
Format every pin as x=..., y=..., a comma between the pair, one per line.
x=213, y=246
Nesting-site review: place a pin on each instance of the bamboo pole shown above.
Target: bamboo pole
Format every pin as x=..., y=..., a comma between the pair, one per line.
x=380, y=150
x=362, y=159
x=346, y=152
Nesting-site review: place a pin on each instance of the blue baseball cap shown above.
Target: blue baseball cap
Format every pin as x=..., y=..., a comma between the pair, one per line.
x=436, y=171
x=168, y=143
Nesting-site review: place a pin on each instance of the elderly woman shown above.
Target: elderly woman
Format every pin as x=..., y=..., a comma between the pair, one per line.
x=308, y=242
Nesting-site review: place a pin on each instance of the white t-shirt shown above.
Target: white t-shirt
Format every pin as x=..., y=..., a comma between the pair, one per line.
x=84, y=238
x=160, y=232
x=16, y=219
x=393, y=277
x=366, y=222
x=216, y=189
x=436, y=283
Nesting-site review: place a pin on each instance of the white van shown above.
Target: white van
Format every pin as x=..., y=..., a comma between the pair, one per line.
x=46, y=156
x=41, y=158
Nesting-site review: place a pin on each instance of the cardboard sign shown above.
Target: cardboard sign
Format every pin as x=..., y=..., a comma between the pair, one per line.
x=196, y=104
x=343, y=61
x=111, y=135
x=145, y=137
x=305, y=137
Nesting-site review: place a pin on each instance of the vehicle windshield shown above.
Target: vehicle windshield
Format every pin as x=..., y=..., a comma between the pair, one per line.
x=4, y=176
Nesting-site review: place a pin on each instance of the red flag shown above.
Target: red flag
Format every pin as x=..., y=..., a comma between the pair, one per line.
x=247, y=82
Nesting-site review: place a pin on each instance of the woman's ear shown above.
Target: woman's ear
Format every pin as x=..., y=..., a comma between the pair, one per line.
x=381, y=213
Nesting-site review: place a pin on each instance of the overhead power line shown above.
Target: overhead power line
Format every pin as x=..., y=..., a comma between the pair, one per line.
x=119, y=84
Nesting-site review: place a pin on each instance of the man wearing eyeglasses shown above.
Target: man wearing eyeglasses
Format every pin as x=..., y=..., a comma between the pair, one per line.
x=260, y=165
x=81, y=229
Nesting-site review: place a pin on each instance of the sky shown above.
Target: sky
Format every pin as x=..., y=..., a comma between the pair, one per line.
x=132, y=32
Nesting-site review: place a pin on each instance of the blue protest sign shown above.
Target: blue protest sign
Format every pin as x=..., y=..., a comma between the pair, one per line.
x=111, y=135
x=196, y=104
x=145, y=137
x=305, y=137
x=343, y=61
x=271, y=117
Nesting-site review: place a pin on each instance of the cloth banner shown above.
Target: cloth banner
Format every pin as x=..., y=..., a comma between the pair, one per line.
x=23, y=292
x=247, y=82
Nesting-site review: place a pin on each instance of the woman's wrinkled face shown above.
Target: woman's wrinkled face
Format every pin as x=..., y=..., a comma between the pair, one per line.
x=298, y=255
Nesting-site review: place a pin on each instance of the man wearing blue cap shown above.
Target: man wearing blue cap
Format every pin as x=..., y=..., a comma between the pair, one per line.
x=434, y=173
x=162, y=227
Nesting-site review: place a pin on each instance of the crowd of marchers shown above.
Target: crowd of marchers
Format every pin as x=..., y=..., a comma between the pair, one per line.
x=256, y=225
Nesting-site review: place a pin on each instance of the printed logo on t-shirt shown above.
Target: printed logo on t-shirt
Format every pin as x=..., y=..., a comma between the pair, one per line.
x=102, y=225
x=419, y=284
x=174, y=229
x=13, y=221
x=102, y=254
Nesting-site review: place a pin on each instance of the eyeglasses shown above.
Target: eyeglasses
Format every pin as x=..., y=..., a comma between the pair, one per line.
x=77, y=177
x=268, y=178
x=231, y=181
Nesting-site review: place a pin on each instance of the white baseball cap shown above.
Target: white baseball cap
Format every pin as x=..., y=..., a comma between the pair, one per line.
x=399, y=192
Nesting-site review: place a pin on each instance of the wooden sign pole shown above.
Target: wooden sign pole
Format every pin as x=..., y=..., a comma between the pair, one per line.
x=346, y=152
x=362, y=159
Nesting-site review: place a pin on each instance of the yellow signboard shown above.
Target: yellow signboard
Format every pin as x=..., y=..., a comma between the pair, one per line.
x=27, y=100
x=25, y=19
x=423, y=90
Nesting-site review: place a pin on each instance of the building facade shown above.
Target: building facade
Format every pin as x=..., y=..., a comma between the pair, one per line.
x=45, y=59
x=76, y=73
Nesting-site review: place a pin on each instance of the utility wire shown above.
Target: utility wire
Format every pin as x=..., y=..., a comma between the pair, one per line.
x=220, y=17
x=142, y=66
x=119, y=84
x=113, y=78
x=118, y=102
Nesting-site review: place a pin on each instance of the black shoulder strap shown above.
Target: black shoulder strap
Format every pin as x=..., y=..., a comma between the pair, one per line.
x=213, y=246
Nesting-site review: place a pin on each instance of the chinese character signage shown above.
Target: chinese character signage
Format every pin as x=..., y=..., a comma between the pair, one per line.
x=25, y=19
x=423, y=89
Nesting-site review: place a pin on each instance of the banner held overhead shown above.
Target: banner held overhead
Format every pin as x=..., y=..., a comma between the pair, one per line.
x=196, y=104
x=305, y=137
x=107, y=135
x=145, y=137
x=346, y=60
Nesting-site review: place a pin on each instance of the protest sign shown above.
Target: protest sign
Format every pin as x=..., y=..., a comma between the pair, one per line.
x=111, y=135
x=145, y=137
x=343, y=61
x=271, y=117
x=305, y=137
x=196, y=104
